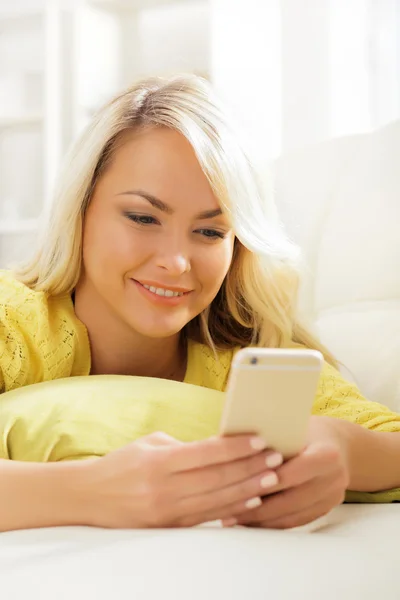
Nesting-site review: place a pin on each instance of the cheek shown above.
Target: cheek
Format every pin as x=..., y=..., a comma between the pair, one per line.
x=216, y=263
x=108, y=246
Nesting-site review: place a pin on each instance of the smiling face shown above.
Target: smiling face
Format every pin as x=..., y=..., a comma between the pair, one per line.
x=156, y=247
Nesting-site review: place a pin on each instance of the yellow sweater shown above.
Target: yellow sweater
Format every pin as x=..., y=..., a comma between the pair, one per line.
x=41, y=339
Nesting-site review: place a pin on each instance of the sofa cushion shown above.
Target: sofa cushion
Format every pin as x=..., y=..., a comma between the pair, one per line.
x=340, y=201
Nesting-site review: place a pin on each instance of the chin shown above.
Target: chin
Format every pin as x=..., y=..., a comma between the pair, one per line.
x=157, y=322
x=157, y=331
x=162, y=335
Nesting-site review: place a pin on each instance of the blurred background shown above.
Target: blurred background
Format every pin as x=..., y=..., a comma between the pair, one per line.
x=295, y=72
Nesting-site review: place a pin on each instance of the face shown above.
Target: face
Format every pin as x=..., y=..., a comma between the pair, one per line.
x=156, y=247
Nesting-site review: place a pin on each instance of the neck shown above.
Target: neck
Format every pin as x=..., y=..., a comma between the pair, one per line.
x=117, y=350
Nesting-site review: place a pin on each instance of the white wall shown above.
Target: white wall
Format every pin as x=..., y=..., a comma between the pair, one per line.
x=158, y=41
x=21, y=92
x=246, y=68
x=175, y=38
x=299, y=72
x=385, y=59
x=305, y=76
x=294, y=72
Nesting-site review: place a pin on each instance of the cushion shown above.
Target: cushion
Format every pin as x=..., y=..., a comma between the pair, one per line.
x=339, y=201
x=83, y=417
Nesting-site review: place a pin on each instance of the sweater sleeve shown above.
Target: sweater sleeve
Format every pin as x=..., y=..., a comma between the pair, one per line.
x=341, y=399
x=14, y=353
x=41, y=338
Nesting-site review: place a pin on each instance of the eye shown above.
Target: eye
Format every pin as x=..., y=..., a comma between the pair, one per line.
x=211, y=234
x=141, y=219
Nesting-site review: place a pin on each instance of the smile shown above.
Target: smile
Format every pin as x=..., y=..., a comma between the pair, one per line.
x=162, y=296
x=162, y=291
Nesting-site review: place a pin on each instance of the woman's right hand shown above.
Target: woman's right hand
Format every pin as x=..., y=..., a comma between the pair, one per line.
x=158, y=481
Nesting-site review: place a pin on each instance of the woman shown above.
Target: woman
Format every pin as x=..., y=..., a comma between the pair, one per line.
x=161, y=259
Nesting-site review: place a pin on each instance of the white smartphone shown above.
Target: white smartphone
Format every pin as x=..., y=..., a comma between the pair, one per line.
x=270, y=392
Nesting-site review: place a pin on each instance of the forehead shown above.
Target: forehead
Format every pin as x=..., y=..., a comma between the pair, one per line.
x=162, y=162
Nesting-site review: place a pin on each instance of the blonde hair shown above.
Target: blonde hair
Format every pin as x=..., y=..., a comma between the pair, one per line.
x=257, y=304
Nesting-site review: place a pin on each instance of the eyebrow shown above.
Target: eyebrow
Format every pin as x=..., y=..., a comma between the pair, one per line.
x=160, y=205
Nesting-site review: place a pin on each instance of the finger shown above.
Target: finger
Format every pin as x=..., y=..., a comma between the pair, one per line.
x=299, y=518
x=242, y=492
x=317, y=460
x=214, y=514
x=216, y=450
x=299, y=498
x=216, y=477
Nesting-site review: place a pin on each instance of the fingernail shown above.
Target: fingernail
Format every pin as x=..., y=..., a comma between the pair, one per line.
x=274, y=460
x=229, y=522
x=258, y=443
x=269, y=480
x=253, y=503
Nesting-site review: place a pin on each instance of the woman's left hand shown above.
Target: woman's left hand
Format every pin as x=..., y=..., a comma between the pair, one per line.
x=310, y=485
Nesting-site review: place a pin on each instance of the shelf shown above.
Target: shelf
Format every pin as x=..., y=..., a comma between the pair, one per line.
x=19, y=226
x=126, y=5
x=17, y=18
x=20, y=121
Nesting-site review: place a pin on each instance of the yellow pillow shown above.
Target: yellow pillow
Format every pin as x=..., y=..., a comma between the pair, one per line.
x=82, y=417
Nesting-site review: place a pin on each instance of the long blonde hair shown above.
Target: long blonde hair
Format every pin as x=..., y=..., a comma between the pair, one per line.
x=257, y=304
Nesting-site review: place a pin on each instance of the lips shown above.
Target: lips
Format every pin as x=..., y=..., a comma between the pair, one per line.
x=157, y=285
x=160, y=294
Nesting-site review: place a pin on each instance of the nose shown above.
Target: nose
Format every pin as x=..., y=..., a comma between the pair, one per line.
x=174, y=259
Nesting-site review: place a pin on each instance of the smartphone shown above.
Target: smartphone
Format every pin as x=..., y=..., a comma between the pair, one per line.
x=270, y=392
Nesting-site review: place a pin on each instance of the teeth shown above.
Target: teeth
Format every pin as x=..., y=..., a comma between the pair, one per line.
x=162, y=291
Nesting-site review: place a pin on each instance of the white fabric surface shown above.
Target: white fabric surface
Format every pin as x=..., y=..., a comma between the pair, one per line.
x=340, y=201
x=353, y=555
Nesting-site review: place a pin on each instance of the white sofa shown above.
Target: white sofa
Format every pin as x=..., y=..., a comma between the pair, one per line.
x=341, y=202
